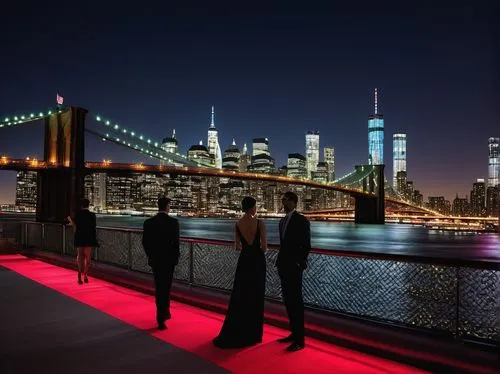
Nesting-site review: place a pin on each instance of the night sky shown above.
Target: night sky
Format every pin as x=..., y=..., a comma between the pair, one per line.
x=270, y=71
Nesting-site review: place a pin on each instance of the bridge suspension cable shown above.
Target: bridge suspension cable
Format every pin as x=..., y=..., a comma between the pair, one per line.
x=138, y=142
x=25, y=118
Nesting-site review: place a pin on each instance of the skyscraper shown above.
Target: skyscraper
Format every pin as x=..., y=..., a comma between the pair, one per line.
x=245, y=158
x=261, y=161
x=213, y=142
x=376, y=136
x=170, y=144
x=312, y=152
x=231, y=160
x=398, y=157
x=329, y=158
x=478, y=198
x=26, y=190
x=296, y=166
x=493, y=162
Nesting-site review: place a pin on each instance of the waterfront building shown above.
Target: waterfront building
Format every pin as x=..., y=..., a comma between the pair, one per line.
x=95, y=190
x=478, y=198
x=26, y=190
x=460, y=207
x=122, y=190
x=492, y=200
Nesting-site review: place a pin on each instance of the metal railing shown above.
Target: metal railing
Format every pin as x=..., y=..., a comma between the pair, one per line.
x=455, y=297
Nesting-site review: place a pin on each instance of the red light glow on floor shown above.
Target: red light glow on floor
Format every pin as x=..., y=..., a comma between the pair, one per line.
x=193, y=329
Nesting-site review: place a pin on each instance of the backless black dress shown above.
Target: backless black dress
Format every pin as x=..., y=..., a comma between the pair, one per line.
x=244, y=321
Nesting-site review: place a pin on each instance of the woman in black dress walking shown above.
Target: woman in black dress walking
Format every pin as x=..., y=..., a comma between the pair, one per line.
x=85, y=237
x=244, y=321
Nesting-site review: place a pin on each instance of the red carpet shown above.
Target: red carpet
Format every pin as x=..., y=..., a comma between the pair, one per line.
x=192, y=329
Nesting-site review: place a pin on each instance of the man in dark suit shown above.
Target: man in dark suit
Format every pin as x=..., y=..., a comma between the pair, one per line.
x=160, y=240
x=295, y=244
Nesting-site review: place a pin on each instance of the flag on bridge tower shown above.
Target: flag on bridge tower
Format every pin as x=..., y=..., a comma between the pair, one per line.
x=59, y=99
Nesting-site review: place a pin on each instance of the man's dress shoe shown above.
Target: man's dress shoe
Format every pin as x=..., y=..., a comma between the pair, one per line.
x=287, y=339
x=294, y=347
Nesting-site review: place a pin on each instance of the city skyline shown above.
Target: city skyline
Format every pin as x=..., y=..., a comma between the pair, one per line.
x=276, y=76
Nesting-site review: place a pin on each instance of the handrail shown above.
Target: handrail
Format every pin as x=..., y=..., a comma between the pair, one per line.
x=449, y=295
x=408, y=258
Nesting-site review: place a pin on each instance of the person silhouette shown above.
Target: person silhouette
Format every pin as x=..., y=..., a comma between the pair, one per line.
x=295, y=244
x=160, y=240
x=85, y=237
x=244, y=322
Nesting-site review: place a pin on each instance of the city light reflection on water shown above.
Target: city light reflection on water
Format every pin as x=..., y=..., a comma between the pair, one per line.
x=389, y=238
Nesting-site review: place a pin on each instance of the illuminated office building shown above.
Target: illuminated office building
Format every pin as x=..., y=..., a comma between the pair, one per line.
x=296, y=166
x=493, y=162
x=321, y=174
x=170, y=144
x=245, y=158
x=478, y=198
x=312, y=152
x=261, y=161
x=398, y=157
x=329, y=158
x=26, y=190
x=213, y=142
x=231, y=160
x=376, y=136
x=200, y=154
x=95, y=190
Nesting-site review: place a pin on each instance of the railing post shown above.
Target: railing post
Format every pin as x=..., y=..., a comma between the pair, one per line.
x=191, y=263
x=457, y=307
x=129, y=234
x=63, y=239
x=42, y=234
x=25, y=236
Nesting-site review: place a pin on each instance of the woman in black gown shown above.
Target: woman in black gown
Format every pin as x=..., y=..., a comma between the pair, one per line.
x=244, y=321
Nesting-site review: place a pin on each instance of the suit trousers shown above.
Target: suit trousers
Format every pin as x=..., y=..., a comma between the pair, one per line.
x=163, y=278
x=291, y=288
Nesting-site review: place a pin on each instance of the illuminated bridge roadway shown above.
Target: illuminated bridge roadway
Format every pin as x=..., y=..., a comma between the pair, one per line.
x=99, y=167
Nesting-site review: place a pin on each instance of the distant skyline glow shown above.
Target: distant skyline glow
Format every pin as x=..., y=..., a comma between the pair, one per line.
x=275, y=73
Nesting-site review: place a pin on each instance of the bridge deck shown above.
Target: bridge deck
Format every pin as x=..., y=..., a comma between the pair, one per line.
x=57, y=326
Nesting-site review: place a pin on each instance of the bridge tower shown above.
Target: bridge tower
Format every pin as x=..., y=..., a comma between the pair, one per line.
x=61, y=188
x=371, y=209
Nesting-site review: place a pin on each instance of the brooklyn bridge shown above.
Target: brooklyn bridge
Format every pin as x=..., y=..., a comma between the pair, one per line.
x=361, y=194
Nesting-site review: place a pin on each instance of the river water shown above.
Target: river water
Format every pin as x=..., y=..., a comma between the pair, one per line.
x=389, y=238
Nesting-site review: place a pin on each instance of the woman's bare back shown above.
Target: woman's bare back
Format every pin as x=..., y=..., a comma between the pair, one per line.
x=247, y=226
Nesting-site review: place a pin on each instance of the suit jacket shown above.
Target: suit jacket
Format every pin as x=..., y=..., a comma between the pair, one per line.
x=160, y=240
x=296, y=242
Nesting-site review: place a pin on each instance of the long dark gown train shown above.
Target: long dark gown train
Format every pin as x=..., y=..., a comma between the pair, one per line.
x=244, y=321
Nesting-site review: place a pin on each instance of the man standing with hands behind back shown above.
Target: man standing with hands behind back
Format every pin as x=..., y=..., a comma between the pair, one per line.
x=295, y=244
x=160, y=240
